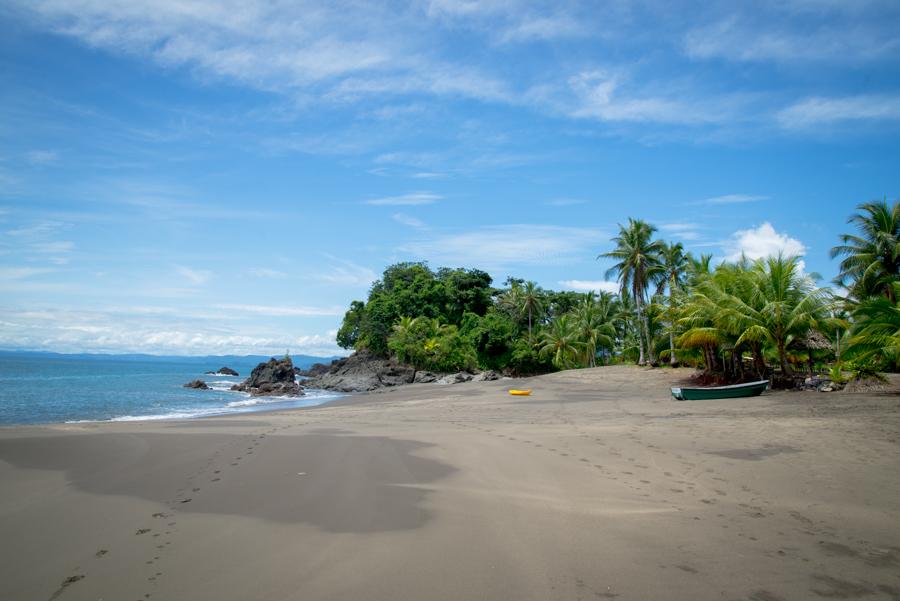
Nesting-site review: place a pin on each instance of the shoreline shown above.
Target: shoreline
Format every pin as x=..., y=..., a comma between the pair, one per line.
x=597, y=486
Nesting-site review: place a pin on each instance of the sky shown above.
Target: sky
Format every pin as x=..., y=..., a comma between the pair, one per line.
x=225, y=177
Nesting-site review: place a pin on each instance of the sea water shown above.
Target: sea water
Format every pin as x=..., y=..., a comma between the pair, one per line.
x=56, y=389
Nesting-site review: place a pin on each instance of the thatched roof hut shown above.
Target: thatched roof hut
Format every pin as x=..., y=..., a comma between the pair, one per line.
x=813, y=340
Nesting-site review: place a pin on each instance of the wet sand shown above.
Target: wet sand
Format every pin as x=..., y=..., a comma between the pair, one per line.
x=599, y=486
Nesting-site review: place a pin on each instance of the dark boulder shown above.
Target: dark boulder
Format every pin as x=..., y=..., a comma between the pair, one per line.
x=223, y=371
x=362, y=372
x=198, y=384
x=275, y=377
x=315, y=370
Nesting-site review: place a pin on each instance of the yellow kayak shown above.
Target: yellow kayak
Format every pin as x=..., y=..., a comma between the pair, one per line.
x=520, y=392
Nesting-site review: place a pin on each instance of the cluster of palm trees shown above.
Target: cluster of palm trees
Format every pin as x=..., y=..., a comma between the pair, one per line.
x=749, y=318
x=574, y=338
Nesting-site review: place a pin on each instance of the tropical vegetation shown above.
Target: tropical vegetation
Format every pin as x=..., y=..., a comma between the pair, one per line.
x=738, y=320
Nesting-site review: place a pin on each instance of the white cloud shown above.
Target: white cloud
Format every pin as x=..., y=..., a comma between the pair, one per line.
x=165, y=332
x=411, y=199
x=729, y=199
x=62, y=246
x=408, y=220
x=599, y=95
x=283, y=311
x=41, y=157
x=683, y=230
x=38, y=230
x=741, y=40
x=543, y=28
x=266, y=273
x=196, y=277
x=590, y=285
x=346, y=273
x=763, y=241
x=508, y=245
x=824, y=111
x=14, y=274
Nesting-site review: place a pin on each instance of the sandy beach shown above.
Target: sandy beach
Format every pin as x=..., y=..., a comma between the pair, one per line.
x=598, y=486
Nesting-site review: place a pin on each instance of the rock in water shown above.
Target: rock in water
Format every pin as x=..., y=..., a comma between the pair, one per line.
x=198, y=384
x=223, y=371
x=272, y=378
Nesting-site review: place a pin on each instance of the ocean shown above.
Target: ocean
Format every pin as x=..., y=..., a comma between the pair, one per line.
x=39, y=389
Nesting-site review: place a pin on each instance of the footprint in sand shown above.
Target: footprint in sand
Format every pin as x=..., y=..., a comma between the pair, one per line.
x=66, y=583
x=142, y=531
x=101, y=553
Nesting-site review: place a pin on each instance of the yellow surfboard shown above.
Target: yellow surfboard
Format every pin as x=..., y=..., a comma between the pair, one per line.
x=520, y=392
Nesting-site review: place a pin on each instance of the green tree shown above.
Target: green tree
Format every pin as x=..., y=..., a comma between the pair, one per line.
x=871, y=260
x=349, y=332
x=532, y=302
x=559, y=341
x=637, y=266
x=673, y=269
x=875, y=334
x=593, y=328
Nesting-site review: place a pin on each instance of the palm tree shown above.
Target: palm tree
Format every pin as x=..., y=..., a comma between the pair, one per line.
x=875, y=335
x=673, y=269
x=403, y=337
x=783, y=304
x=531, y=302
x=871, y=260
x=638, y=264
x=560, y=341
x=594, y=329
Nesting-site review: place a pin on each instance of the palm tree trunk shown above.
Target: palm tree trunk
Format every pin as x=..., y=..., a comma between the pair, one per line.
x=641, y=345
x=759, y=361
x=650, y=356
x=782, y=358
x=672, y=361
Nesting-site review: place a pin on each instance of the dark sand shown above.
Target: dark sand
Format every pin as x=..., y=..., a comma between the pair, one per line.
x=599, y=486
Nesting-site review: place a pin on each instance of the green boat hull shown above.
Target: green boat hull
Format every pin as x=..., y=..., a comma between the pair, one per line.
x=720, y=392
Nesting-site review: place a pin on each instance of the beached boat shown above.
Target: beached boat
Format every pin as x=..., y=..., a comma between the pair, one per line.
x=520, y=392
x=720, y=392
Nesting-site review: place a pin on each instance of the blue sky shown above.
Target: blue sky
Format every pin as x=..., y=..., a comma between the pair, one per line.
x=218, y=177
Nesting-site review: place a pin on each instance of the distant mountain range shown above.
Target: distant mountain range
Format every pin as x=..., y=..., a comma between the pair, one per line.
x=213, y=361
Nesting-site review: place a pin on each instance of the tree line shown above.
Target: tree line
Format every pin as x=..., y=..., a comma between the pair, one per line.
x=740, y=320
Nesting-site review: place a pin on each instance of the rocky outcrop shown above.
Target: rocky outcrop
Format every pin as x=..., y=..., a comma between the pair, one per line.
x=362, y=372
x=223, y=371
x=315, y=370
x=198, y=384
x=272, y=378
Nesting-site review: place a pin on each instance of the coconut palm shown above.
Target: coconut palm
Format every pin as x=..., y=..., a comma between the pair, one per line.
x=875, y=335
x=871, y=260
x=594, y=329
x=780, y=304
x=531, y=302
x=637, y=266
x=674, y=266
x=560, y=342
x=403, y=338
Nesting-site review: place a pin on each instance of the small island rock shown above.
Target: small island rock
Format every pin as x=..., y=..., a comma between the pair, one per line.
x=223, y=371
x=272, y=378
x=198, y=384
